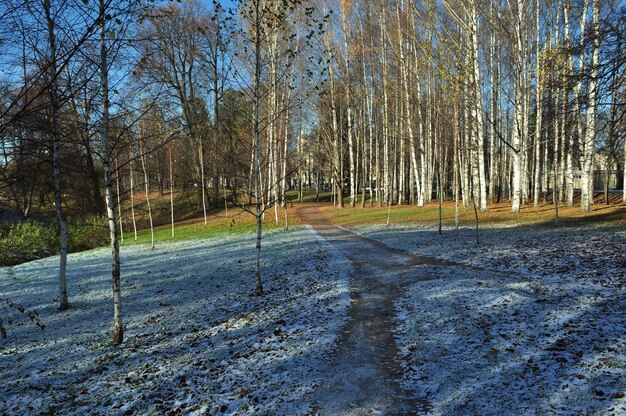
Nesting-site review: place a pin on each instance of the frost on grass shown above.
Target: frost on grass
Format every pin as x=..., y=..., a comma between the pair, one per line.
x=197, y=341
x=539, y=329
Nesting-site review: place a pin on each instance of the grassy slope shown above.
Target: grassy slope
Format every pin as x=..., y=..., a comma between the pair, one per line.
x=238, y=221
x=218, y=223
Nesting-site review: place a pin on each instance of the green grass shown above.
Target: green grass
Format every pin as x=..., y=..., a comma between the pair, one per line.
x=29, y=241
x=239, y=222
x=218, y=224
x=308, y=196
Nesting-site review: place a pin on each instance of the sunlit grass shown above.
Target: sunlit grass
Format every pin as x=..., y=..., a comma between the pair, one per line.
x=601, y=214
x=237, y=221
x=219, y=223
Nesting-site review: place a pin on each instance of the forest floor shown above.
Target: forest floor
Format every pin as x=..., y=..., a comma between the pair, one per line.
x=371, y=319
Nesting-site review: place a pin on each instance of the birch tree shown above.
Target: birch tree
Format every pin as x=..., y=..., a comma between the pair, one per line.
x=588, y=143
x=266, y=25
x=107, y=152
x=56, y=149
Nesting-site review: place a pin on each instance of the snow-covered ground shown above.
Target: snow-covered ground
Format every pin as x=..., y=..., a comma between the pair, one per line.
x=534, y=323
x=535, y=326
x=197, y=341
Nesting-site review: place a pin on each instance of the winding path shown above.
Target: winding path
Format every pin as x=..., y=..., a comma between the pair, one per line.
x=364, y=372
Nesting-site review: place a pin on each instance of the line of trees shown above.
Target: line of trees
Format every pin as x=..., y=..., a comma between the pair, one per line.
x=492, y=100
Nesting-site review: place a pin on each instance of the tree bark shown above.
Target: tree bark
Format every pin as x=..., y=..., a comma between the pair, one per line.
x=171, y=169
x=118, y=327
x=588, y=145
x=119, y=201
x=56, y=158
x=132, y=195
x=257, y=170
x=539, y=101
x=146, y=182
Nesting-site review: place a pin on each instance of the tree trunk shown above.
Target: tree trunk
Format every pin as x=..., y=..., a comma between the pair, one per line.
x=385, y=124
x=588, y=145
x=257, y=171
x=119, y=201
x=56, y=159
x=132, y=195
x=492, y=106
x=539, y=101
x=118, y=327
x=569, y=164
x=518, y=109
x=478, y=111
x=147, y=190
x=351, y=146
x=171, y=189
x=202, y=177
x=337, y=166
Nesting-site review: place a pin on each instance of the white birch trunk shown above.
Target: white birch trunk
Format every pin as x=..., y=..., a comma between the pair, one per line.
x=202, y=176
x=132, y=195
x=147, y=190
x=351, y=147
x=539, y=101
x=519, y=124
x=336, y=150
x=257, y=170
x=455, y=137
x=369, y=120
x=588, y=145
x=492, y=107
x=569, y=164
x=478, y=112
x=56, y=159
x=385, y=124
x=118, y=327
x=119, y=201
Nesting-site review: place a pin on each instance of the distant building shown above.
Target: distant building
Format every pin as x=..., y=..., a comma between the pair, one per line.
x=616, y=179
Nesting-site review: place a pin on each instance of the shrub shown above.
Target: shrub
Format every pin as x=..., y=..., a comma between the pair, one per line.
x=26, y=241
x=88, y=234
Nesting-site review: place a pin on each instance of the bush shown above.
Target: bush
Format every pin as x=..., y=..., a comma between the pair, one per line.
x=88, y=234
x=28, y=241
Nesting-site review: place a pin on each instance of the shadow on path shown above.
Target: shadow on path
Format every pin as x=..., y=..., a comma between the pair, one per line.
x=362, y=378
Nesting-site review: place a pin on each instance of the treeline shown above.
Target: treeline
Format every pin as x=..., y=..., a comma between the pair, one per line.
x=381, y=100
x=485, y=100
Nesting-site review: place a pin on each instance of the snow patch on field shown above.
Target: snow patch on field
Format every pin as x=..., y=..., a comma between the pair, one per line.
x=537, y=327
x=197, y=340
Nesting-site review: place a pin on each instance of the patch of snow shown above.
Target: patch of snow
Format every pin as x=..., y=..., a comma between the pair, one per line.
x=197, y=340
x=534, y=323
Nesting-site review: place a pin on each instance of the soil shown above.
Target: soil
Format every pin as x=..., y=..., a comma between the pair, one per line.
x=362, y=378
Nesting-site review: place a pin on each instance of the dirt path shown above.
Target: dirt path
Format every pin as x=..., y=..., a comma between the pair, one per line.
x=362, y=377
